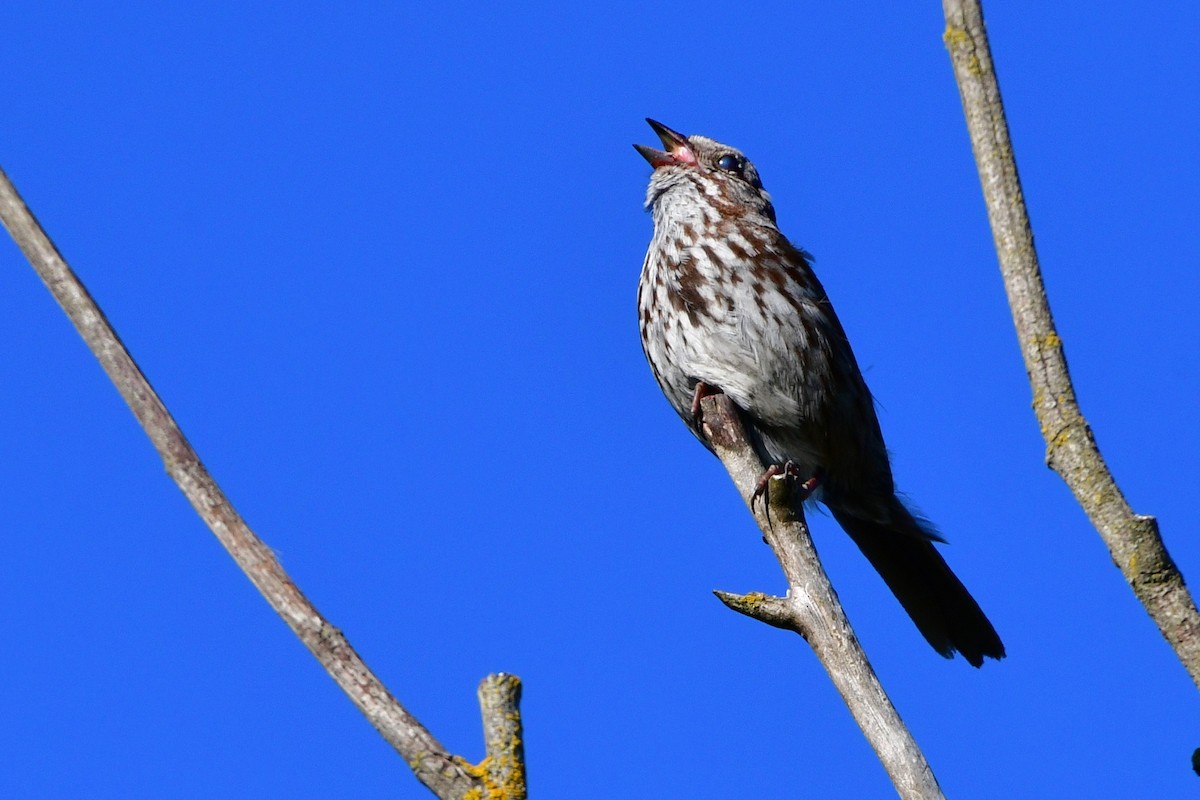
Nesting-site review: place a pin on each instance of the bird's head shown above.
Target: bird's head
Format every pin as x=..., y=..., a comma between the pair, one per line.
x=696, y=165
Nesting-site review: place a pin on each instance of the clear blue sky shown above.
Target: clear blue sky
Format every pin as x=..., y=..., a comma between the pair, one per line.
x=381, y=264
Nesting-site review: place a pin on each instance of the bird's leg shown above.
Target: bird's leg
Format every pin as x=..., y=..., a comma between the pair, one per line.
x=702, y=391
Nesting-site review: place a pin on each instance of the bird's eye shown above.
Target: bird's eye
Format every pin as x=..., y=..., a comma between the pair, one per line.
x=730, y=163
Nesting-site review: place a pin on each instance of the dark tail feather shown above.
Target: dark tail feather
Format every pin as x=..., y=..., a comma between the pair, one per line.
x=942, y=608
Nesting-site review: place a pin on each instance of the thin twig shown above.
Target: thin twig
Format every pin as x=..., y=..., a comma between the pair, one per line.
x=812, y=609
x=1133, y=539
x=443, y=773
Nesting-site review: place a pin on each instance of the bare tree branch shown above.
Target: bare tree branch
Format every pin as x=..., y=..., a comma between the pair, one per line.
x=1133, y=539
x=811, y=607
x=446, y=775
x=503, y=769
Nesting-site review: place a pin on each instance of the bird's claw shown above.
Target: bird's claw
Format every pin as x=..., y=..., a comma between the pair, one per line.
x=786, y=471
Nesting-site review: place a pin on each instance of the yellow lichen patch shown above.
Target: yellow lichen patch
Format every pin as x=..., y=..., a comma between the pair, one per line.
x=958, y=38
x=474, y=770
x=512, y=789
x=748, y=604
x=1051, y=340
x=955, y=37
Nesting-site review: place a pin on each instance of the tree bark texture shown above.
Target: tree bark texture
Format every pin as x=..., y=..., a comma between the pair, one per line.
x=1133, y=540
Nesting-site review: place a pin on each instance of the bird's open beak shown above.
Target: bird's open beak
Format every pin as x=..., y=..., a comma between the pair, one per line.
x=676, y=144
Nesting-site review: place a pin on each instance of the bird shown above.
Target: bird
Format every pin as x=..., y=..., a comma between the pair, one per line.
x=727, y=304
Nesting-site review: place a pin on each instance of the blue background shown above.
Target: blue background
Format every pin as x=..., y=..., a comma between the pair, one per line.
x=381, y=261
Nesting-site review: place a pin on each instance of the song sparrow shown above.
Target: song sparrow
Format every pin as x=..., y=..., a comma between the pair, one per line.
x=727, y=304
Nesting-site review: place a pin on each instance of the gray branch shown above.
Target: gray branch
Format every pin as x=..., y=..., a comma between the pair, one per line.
x=812, y=609
x=1133, y=539
x=504, y=765
x=447, y=776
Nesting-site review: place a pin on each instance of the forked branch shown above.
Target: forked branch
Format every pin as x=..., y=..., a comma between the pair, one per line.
x=448, y=776
x=1133, y=539
x=811, y=607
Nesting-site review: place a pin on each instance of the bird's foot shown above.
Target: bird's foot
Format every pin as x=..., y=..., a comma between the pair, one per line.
x=786, y=471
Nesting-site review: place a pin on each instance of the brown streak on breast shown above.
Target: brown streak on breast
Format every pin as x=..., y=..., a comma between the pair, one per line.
x=690, y=282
